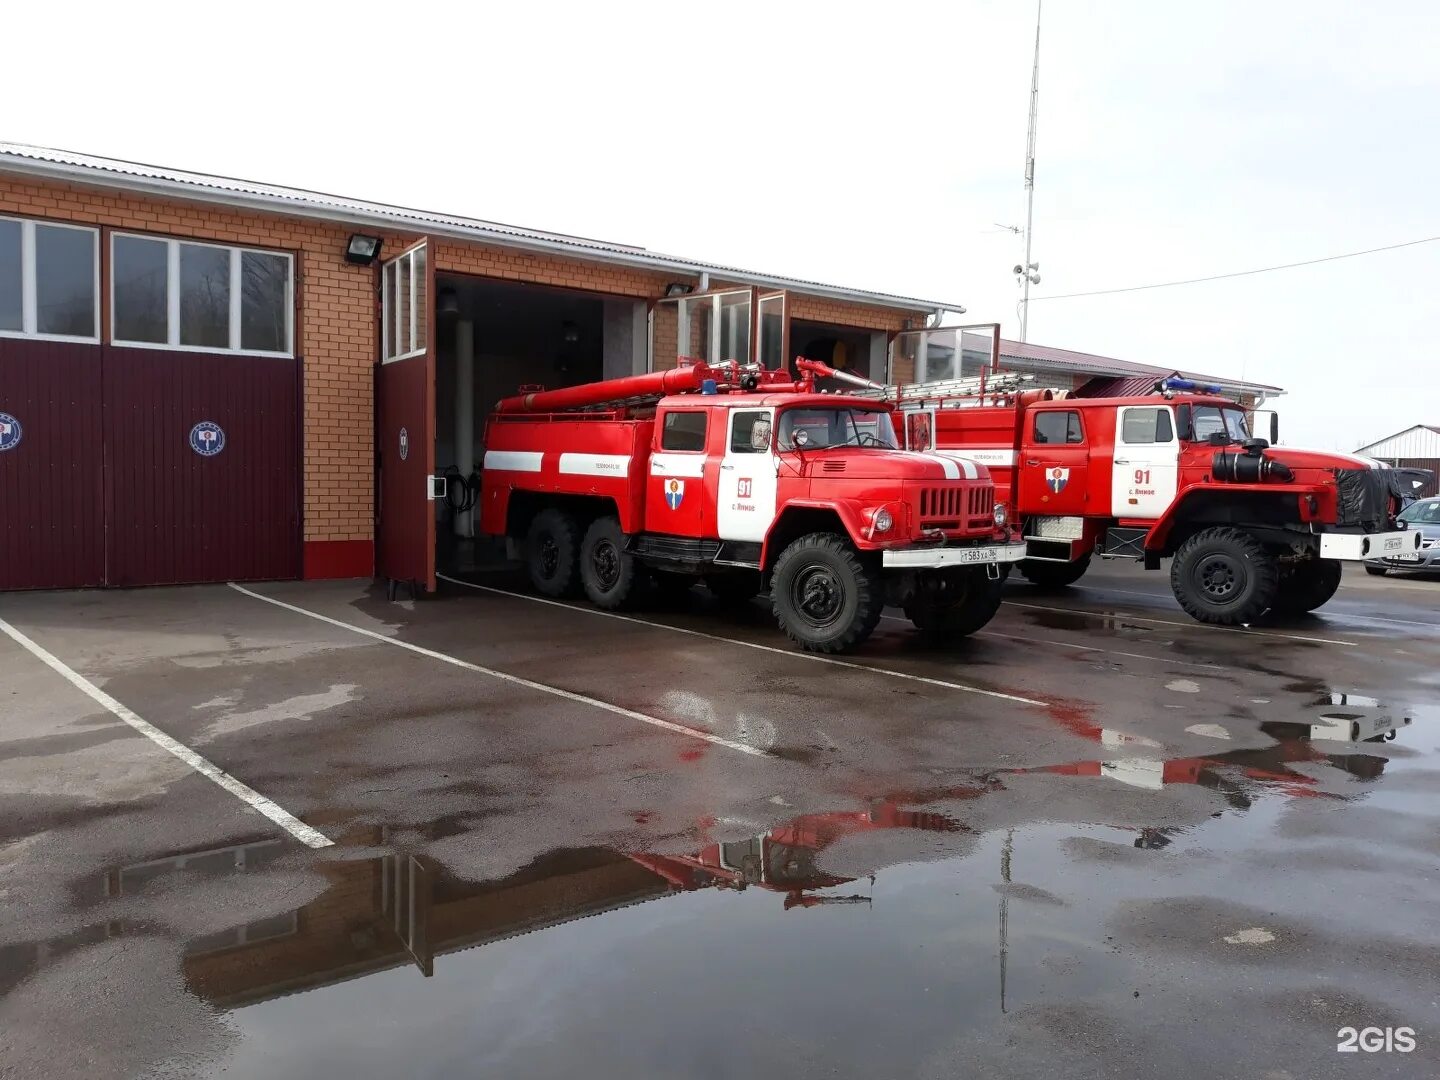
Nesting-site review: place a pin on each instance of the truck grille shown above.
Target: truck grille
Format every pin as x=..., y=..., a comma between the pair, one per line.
x=957, y=507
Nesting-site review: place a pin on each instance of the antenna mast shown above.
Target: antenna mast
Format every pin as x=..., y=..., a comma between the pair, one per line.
x=1029, y=271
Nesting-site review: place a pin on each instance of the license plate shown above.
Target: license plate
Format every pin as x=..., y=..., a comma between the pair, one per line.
x=1405, y=557
x=992, y=554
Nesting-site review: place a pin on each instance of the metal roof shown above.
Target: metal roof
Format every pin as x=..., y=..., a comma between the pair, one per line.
x=1421, y=442
x=1091, y=364
x=298, y=202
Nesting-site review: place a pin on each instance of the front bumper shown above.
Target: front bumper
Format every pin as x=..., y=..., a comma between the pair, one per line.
x=928, y=558
x=1355, y=547
x=1424, y=559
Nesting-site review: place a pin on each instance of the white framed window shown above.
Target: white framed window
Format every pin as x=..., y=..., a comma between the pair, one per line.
x=167, y=293
x=49, y=280
x=405, y=308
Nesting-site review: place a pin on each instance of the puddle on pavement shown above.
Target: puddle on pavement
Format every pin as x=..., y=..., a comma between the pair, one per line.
x=751, y=952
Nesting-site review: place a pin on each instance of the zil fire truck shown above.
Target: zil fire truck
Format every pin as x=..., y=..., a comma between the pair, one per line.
x=1248, y=526
x=748, y=479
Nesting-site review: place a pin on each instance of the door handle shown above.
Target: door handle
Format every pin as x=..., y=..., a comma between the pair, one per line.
x=1032, y=461
x=728, y=468
x=1122, y=461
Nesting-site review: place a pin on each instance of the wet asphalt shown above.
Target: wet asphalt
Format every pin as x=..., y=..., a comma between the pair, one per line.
x=1095, y=840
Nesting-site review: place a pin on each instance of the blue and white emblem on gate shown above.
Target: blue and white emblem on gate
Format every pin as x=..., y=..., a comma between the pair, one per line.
x=1056, y=479
x=404, y=444
x=206, y=439
x=674, y=493
x=10, y=432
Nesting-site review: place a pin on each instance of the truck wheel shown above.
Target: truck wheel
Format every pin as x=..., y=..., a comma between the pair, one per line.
x=825, y=596
x=734, y=589
x=1224, y=576
x=551, y=553
x=607, y=571
x=1054, y=575
x=1306, y=586
x=958, y=611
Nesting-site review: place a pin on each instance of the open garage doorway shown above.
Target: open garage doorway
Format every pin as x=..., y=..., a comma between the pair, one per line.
x=493, y=337
x=858, y=352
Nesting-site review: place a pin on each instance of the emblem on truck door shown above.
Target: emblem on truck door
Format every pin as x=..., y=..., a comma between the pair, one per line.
x=674, y=493
x=1056, y=479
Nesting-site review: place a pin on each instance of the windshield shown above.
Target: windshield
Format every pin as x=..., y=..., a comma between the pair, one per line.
x=816, y=429
x=1422, y=513
x=1210, y=420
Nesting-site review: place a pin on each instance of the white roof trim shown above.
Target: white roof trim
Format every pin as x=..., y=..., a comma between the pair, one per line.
x=298, y=202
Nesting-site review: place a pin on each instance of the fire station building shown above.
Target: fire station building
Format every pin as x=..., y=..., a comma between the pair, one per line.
x=204, y=379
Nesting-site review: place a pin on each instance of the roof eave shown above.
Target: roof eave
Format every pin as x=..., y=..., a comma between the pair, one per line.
x=376, y=219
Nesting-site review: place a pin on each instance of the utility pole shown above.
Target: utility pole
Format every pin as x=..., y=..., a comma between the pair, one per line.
x=1029, y=272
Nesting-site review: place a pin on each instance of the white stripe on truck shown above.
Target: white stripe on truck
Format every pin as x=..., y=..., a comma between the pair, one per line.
x=595, y=464
x=513, y=460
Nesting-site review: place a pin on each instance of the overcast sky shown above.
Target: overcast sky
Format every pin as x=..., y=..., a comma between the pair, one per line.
x=872, y=145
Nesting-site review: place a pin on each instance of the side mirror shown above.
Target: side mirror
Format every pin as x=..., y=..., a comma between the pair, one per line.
x=760, y=435
x=1185, y=424
x=1274, y=428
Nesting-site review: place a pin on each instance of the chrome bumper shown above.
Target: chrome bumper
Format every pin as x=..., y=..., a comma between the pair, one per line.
x=930, y=558
x=1355, y=547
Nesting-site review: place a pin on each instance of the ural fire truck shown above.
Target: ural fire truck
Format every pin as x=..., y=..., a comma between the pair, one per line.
x=748, y=479
x=1248, y=527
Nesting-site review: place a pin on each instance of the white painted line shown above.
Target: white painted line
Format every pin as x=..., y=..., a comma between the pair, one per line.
x=1081, y=648
x=1182, y=625
x=1328, y=614
x=1106, y=652
x=529, y=684
x=792, y=653
x=246, y=794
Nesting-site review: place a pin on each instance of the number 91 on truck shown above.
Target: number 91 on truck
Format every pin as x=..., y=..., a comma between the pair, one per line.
x=750, y=480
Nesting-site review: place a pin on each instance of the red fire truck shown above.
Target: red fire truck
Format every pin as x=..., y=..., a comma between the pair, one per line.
x=748, y=479
x=1249, y=527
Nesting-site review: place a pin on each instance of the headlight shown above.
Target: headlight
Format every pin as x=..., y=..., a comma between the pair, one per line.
x=882, y=521
x=1000, y=515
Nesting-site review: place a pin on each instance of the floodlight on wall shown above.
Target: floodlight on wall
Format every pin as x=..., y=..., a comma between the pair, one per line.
x=678, y=288
x=362, y=250
x=570, y=332
x=449, y=302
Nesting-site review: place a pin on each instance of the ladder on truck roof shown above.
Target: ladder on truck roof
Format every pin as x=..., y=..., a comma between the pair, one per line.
x=950, y=393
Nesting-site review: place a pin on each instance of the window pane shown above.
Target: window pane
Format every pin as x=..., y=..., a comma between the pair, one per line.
x=743, y=435
x=422, y=313
x=204, y=296
x=264, y=313
x=140, y=273
x=387, y=283
x=683, y=431
x=11, y=317
x=402, y=306
x=1140, y=425
x=64, y=281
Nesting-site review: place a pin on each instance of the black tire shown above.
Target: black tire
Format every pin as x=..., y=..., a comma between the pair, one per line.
x=552, y=551
x=733, y=590
x=607, y=571
x=1376, y=571
x=965, y=606
x=1054, y=575
x=1224, y=577
x=1306, y=586
x=825, y=595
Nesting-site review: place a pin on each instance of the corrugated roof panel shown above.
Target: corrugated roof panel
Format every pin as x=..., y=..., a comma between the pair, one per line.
x=89, y=168
x=1419, y=442
x=1069, y=360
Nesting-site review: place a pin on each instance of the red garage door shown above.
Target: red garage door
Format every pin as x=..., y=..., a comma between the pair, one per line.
x=171, y=453
x=51, y=465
